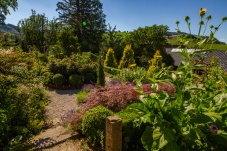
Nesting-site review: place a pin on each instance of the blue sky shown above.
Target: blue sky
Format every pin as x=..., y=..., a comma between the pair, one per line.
x=128, y=15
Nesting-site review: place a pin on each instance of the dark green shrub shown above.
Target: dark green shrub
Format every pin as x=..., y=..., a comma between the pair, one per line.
x=87, y=68
x=89, y=78
x=42, y=57
x=75, y=80
x=47, y=77
x=52, y=66
x=93, y=124
x=58, y=79
x=62, y=66
x=130, y=133
x=68, y=41
x=59, y=66
x=72, y=67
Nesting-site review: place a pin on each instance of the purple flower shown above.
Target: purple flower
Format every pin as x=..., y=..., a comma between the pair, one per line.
x=88, y=87
x=213, y=129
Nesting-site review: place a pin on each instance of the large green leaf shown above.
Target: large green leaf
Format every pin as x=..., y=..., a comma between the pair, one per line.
x=194, y=87
x=200, y=43
x=139, y=107
x=156, y=136
x=166, y=137
x=173, y=76
x=223, y=134
x=163, y=96
x=213, y=115
x=172, y=146
x=220, y=98
x=178, y=116
x=146, y=138
x=199, y=133
x=186, y=96
x=200, y=119
x=189, y=108
x=224, y=77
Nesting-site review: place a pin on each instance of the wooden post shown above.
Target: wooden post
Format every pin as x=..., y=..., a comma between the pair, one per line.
x=113, y=133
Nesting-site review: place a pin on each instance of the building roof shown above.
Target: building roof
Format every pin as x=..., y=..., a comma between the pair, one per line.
x=220, y=54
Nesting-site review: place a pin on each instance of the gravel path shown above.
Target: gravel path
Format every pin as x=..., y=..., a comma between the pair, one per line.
x=57, y=138
x=61, y=102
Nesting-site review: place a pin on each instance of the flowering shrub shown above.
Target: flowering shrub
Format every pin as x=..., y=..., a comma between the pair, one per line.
x=113, y=81
x=115, y=97
x=88, y=87
x=164, y=87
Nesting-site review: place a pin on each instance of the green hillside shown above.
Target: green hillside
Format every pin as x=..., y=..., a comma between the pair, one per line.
x=9, y=28
x=218, y=46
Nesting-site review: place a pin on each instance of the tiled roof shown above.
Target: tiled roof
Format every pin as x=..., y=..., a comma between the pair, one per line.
x=220, y=54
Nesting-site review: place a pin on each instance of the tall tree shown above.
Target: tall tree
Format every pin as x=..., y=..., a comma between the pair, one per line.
x=145, y=41
x=4, y=5
x=68, y=42
x=38, y=31
x=87, y=19
x=100, y=72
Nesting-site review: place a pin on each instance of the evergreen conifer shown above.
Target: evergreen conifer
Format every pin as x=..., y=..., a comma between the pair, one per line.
x=127, y=58
x=100, y=72
x=110, y=60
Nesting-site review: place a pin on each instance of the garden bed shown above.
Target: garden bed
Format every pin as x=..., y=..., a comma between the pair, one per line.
x=61, y=87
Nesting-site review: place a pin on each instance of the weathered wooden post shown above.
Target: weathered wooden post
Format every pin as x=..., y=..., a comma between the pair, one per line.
x=113, y=133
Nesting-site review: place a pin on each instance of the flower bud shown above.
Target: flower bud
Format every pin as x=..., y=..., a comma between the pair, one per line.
x=187, y=18
x=202, y=12
x=201, y=22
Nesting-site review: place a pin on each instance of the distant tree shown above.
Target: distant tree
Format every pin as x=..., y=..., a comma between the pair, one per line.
x=110, y=38
x=127, y=58
x=51, y=34
x=110, y=60
x=37, y=31
x=145, y=41
x=87, y=19
x=116, y=40
x=68, y=41
x=4, y=9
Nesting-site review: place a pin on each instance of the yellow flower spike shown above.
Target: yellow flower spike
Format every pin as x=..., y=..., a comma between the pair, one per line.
x=132, y=65
x=202, y=12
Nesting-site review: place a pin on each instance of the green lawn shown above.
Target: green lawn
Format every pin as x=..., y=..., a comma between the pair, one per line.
x=174, y=41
